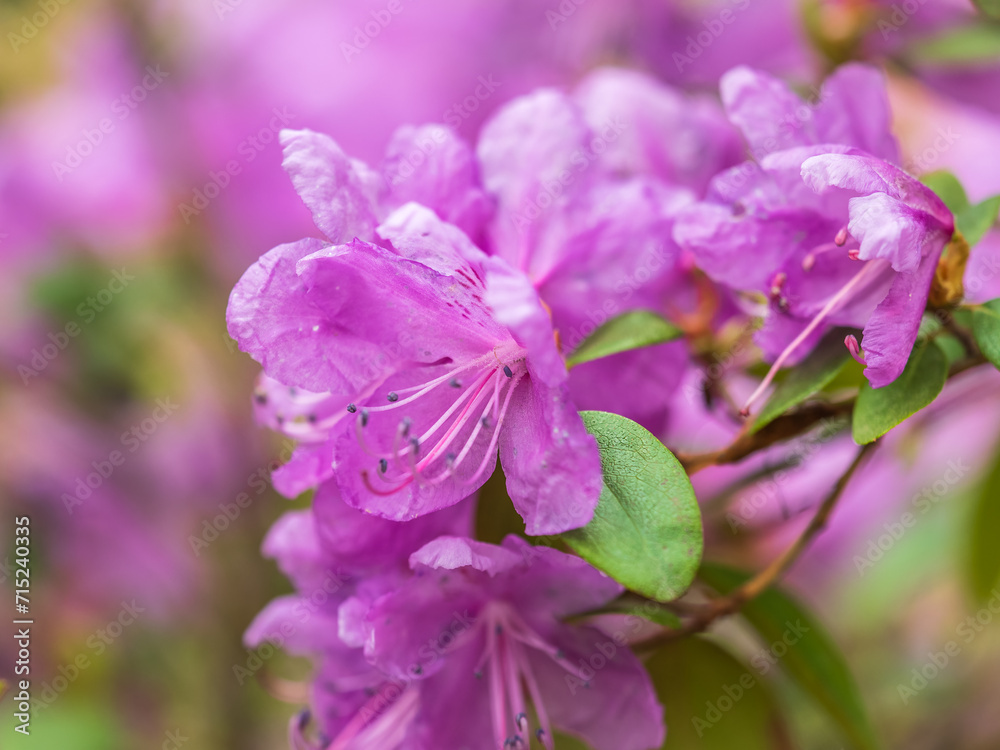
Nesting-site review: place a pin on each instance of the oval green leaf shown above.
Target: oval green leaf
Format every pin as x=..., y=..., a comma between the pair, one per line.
x=813, y=661
x=646, y=532
x=878, y=410
x=631, y=330
x=986, y=327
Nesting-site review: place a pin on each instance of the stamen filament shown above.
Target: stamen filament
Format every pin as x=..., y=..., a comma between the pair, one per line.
x=828, y=308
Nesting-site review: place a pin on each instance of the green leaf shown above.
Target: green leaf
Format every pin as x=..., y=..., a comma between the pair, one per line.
x=711, y=701
x=878, y=410
x=986, y=328
x=646, y=531
x=989, y=8
x=805, y=652
x=984, y=552
x=631, y=330
x=948, y=189
x=970, y=44
x=975, y=221
x=814, y=374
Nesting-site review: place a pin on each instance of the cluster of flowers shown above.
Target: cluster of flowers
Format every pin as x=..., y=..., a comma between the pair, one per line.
x=426, y=332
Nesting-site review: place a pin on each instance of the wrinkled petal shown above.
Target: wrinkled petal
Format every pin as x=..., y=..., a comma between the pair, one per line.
x=337, y=190
x=381, y=310
x=889, y=229
x=274, y=322
x=419, y=234
x=865, y=174
x=552, y=464
x=892, y=329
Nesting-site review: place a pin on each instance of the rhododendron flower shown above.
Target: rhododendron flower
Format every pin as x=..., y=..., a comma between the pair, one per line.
x=479, y=629
x=443, y=355
x=341, y=560
x=824, y=224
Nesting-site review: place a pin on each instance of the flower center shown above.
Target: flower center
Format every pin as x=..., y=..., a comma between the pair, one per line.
x=482, y=387
x=505, y=658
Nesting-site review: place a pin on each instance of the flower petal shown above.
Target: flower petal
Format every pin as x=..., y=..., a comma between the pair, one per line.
x=617, y=709
x=516, y=305
x=892, y=329
x=854, y=110
x=337, y=190
x=272, y=318
x=432, y=166
x=552, y=464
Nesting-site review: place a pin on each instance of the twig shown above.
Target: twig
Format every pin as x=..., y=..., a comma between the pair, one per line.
x=736, y=599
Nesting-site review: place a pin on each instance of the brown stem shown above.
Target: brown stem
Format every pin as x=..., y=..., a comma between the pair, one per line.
x=734, y=601
x=788, y=426
x=784, y=427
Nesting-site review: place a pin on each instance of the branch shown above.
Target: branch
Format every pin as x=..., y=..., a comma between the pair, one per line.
x=736, y=599
x=785, y=427
x=788, y=426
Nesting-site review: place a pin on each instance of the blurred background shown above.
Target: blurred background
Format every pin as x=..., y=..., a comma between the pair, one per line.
x=140, y=176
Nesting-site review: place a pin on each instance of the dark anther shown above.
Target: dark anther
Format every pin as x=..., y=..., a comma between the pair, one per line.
x=393, y=396
x=352, y=408
x=508, y=372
